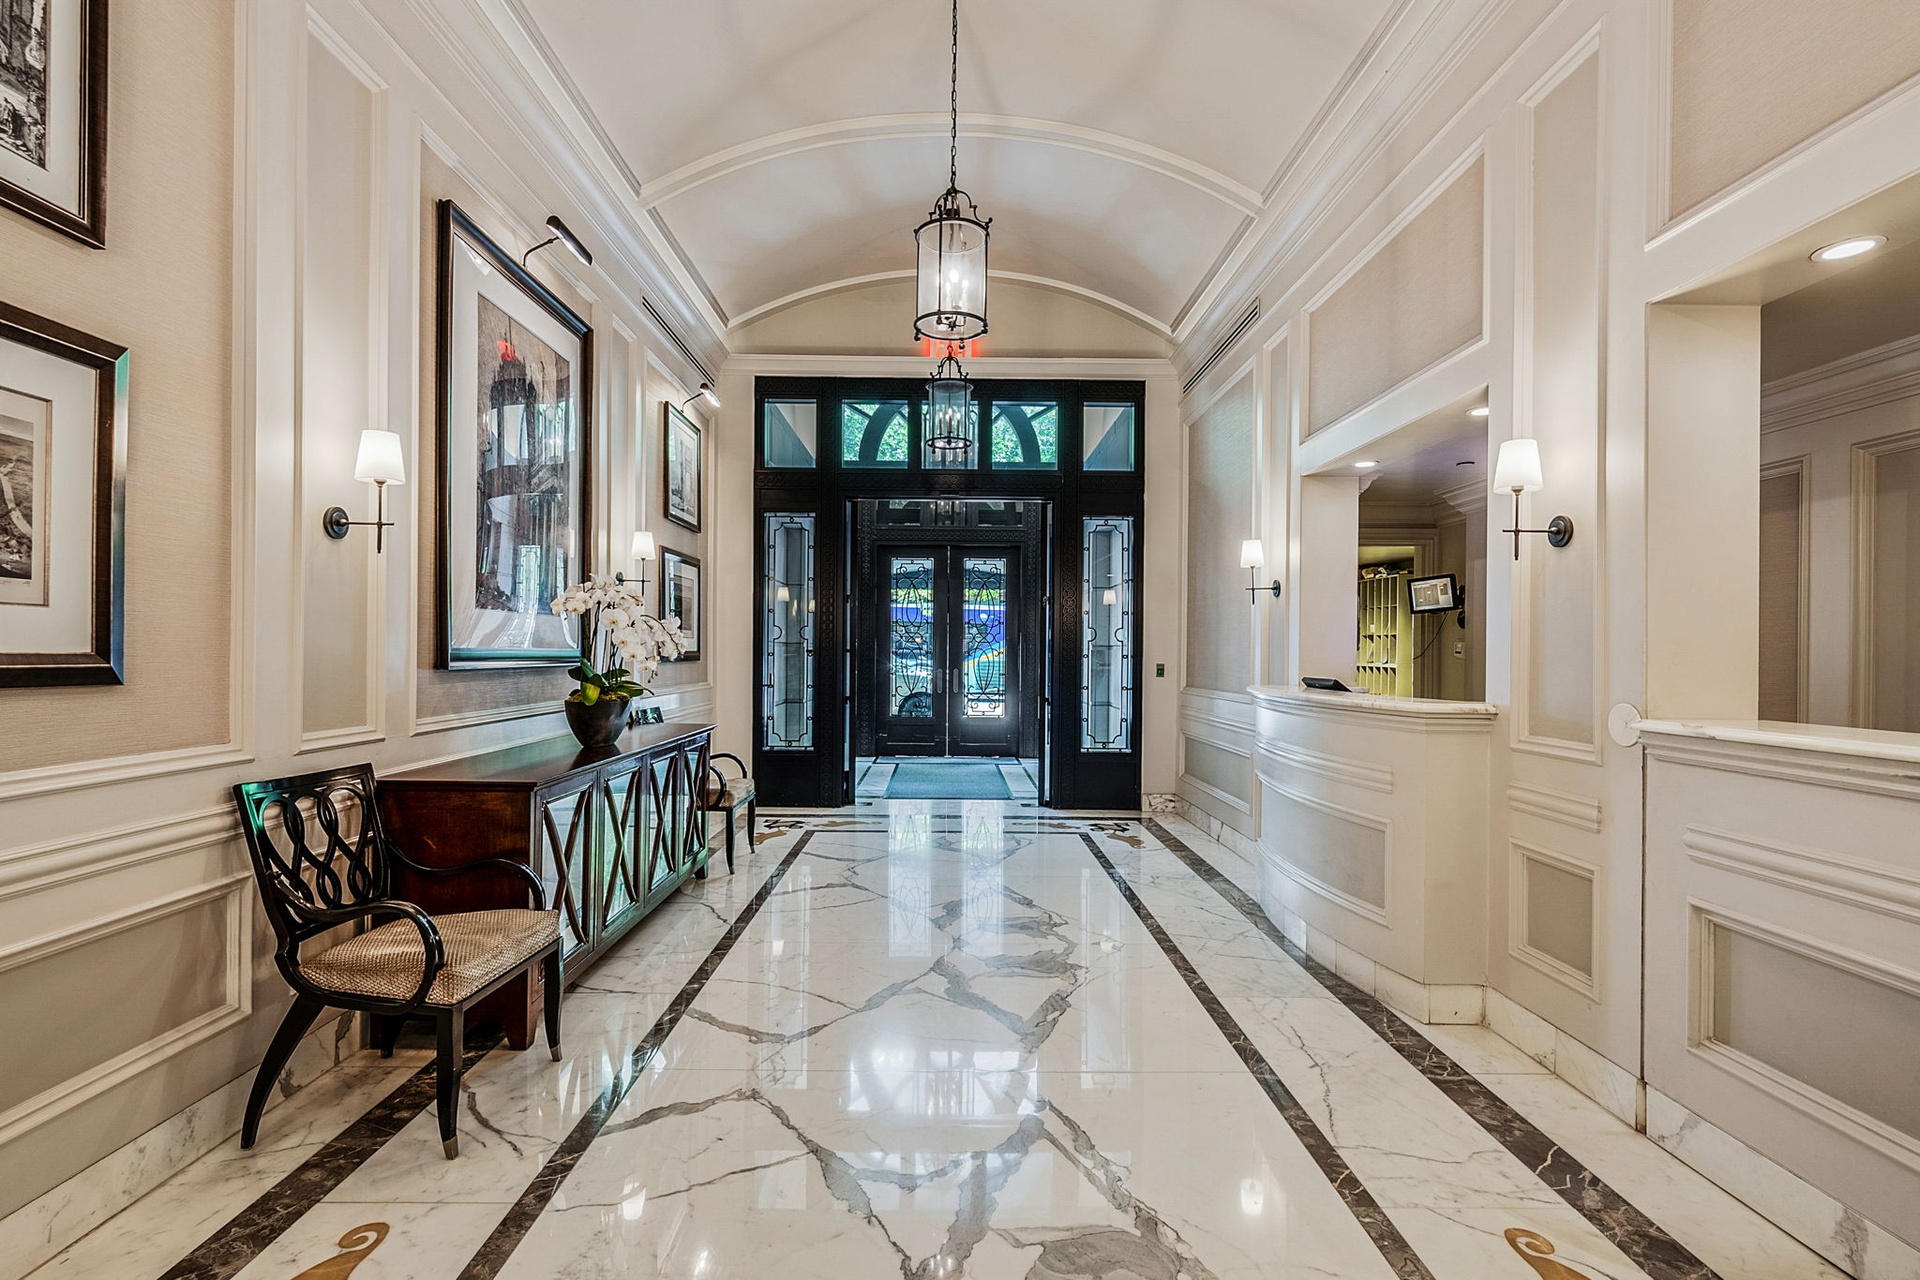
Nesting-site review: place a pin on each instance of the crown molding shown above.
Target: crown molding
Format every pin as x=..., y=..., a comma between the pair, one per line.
x=1875, y=377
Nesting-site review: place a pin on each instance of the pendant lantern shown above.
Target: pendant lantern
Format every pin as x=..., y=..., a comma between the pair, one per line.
x=952, y=266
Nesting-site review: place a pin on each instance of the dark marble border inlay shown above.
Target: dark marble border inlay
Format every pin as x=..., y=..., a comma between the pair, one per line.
x=506, y=1237
x=247, y=1234
x=1642, y=1239
x=1346, y=1183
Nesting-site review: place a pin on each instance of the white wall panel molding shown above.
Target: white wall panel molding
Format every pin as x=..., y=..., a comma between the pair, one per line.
x=1865, y=459
x=1212, y=792
x=1333, y=768
x=1843, y=759
x=1876, y=377
x=1580, y=812
x=1380, y=913
x=1521, y=856
x=43, y=866
x=236, y=893
x=22, y=783
x=1856, y=882
x=1814, y=1103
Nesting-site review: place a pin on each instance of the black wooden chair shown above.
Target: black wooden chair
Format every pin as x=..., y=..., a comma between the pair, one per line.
x=729, y=796
x=314, y=878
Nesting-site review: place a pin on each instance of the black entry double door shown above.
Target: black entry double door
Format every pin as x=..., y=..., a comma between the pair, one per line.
x=949, y=662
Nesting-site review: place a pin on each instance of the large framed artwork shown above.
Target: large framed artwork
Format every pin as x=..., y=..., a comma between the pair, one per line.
x=514, y=379
x=682, y=469
x=680, y=598
x=53, y=114
x=63, y=500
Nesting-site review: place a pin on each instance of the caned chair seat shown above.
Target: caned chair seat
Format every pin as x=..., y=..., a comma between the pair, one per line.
x=736, y=793
x=386, y=962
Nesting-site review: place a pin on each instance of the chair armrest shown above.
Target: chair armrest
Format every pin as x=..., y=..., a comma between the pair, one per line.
x=436, y=951
x=498, y=864
x=728, y=755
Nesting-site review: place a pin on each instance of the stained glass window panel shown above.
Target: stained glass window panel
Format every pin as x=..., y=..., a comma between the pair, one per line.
x=786, y=675
x=874, y=433
x=910, y=637
x=1026, y=436
x=1107, y=640
x=984, y=627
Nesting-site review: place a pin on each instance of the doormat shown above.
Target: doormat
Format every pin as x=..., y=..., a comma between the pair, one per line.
x=947, y=780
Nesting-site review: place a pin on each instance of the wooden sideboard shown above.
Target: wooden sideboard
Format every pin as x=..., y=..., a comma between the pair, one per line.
x=610, y=831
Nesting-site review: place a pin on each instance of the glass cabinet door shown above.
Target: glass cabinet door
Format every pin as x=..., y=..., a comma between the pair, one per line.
x=622, y=793
x=565, y=863
x=667, y=829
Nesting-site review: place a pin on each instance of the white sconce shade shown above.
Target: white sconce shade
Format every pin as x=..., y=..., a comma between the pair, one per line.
x=1252, y=554
x=1110, y=596
x=1518, y=469
x=783, y=596
x=380, y=461
x=644, y=547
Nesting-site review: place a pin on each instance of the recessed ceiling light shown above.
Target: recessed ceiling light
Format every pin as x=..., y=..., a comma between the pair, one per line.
x=1366, y=464
x=1844, y=249
x=1480, y=412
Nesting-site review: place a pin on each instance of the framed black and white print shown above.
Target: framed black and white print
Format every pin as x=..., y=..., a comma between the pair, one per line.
x=515, y=374
x=680, y=598
x=53, y=114
x=682, y=468
x=63, y=479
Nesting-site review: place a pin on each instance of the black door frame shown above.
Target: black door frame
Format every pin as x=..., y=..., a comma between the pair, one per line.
x=817, y=771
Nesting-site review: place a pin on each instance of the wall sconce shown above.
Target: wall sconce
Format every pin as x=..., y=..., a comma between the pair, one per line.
x=645, y=549
x=707, y=393
x=1252, y=556
x=561, y=235
x=1518, y=469
x=379, y=464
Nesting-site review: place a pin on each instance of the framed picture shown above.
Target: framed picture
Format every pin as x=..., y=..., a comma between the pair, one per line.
x=682, y=469
x=63, y=482
x=680, y=597
x=648, y=715
x=514, y=383
x=53, y=114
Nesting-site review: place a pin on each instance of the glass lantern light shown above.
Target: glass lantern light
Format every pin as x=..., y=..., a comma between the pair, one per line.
x=952, y=266
x=951, y=421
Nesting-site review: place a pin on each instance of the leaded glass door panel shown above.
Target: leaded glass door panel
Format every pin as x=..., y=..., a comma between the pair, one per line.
x=948, y=675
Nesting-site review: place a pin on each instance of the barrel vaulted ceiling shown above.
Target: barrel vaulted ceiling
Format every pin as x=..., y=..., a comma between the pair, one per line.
x=785, y=149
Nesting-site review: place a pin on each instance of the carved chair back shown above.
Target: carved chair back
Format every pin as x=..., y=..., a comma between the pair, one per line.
x=316, y=845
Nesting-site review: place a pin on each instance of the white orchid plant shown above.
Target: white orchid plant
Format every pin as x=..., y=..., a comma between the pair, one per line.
x=621, y=645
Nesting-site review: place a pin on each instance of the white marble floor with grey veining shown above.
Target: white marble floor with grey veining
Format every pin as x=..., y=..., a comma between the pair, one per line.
x=962, y=1039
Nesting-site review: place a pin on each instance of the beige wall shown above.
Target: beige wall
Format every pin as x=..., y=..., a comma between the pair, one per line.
x=163, y=288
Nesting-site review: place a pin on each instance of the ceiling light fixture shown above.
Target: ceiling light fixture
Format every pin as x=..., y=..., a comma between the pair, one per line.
x=952, y=242
x=951, y=419
x=707, y=393
x=1841, y=250
x=561, y=235
x=1479, y=412
x=1366, y=464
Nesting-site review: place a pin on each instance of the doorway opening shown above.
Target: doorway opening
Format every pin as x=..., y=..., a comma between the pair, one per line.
x=949, y=649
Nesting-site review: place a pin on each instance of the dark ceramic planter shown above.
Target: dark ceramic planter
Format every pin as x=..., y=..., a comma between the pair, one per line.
x=601, y=724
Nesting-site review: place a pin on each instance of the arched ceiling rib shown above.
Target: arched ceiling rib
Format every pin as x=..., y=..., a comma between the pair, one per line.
x=786, y=151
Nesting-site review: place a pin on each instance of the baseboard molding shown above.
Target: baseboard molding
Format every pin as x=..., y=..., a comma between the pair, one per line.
x=40, y=1229
x=1856, y=1245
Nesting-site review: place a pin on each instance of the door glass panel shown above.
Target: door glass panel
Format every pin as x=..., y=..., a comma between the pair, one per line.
x=1107, y=635
x=984, y=631
x=1026, y=436
x=789, y=433
x=786, y=674
x=873, y=433
x=1106, y=435
x=910, y=637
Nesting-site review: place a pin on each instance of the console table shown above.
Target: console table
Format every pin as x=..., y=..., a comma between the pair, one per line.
x=611, y=832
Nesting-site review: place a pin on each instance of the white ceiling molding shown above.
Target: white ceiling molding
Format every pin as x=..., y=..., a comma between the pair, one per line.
x=927, y=124
x=1019, y=277
x=1116, y=368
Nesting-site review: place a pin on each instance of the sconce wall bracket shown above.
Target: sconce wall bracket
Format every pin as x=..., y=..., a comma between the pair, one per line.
x=1254, y=589
x=337, y=523
x=1559, y=530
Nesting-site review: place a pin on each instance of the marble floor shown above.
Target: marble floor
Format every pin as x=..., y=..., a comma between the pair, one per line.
x=934, y=1039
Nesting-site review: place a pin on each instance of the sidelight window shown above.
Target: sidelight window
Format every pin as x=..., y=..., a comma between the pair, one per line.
x=789, y=433
x=788, y=626
x=1107, y=635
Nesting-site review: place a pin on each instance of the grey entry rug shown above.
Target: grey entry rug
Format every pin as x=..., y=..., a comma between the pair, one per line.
x=947, y=780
